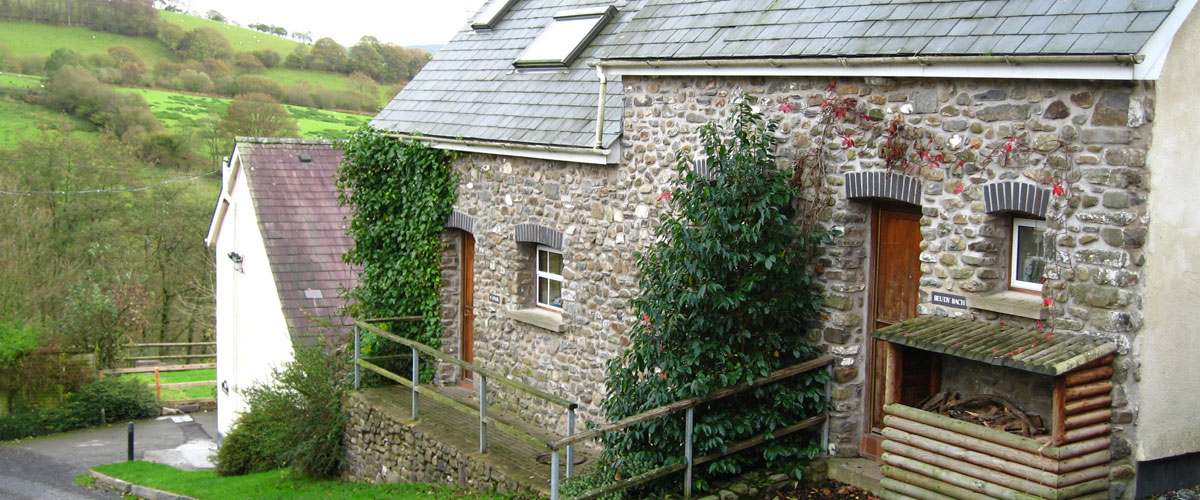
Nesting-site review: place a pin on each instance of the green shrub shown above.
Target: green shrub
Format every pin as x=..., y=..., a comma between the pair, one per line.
x=297, y=421
x=250, y=84
x=121, y=399
x=726, y=296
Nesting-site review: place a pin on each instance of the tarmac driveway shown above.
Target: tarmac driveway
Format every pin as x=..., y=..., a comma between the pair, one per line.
x=44, y=468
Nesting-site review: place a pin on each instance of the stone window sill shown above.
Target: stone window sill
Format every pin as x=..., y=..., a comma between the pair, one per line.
x=1010, y=302
x=540, y=318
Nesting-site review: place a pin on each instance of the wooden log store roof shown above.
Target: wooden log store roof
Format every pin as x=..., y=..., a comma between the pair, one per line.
x=1035, y=351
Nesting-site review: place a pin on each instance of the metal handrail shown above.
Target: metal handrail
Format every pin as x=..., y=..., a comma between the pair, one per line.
x=533, y=391
x=688, y=406
x=483, y=376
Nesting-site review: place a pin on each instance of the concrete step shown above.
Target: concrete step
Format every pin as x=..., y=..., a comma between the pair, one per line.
x=861, y=473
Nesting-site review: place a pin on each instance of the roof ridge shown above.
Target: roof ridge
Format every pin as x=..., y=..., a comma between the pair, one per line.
x=283, y=140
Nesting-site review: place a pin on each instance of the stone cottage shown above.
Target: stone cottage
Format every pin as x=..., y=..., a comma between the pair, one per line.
x=1021, y=119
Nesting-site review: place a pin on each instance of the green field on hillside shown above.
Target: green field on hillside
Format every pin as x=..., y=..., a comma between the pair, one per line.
x=42, y=39
x=23, y=121
x=13, y=80
x=199, y=392
x=241, y=39
x=181, y=111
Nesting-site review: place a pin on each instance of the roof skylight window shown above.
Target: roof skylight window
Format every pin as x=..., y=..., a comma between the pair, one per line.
x=564, y=38
x=487, y=18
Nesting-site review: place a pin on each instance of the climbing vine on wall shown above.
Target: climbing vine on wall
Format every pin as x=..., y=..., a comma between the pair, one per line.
x=400, y=194
x=727, y=296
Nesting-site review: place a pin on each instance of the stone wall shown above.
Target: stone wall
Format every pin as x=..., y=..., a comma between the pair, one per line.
x=1033, y=392
x=382, y=449
x=965, y=250
x=604, y=213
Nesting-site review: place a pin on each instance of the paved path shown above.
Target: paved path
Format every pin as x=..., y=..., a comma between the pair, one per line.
x=44, y=468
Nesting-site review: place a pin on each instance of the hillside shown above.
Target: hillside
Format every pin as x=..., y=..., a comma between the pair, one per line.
x=28, y=39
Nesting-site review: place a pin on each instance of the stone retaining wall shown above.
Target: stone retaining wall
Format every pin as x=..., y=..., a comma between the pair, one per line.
x=383, y=449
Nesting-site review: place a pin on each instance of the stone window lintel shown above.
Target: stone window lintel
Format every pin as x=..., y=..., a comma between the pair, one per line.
x=1025, y=305
x=541, y=318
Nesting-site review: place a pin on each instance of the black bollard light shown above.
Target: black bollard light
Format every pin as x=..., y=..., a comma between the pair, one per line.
x=130, y=458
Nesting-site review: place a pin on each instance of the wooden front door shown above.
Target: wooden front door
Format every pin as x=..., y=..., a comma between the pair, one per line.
x=467, y=337
x=894, y=293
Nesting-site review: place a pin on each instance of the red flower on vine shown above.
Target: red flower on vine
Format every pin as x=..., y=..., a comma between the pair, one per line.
x=1058, y=189
x=1047, y=302
x=786, y=107
x=847, y=139
x=646, y=318
x=833, y=85
x=958, y=187
x=1008, y=147
x=664, y=196
x=1039, y=324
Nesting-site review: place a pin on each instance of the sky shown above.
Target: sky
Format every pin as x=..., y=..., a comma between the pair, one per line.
x=402, y=22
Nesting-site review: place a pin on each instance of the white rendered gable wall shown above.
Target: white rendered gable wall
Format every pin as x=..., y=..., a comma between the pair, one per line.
x=252, y=334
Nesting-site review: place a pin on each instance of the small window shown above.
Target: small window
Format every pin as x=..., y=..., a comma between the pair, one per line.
x=549, y=277
x=491, y=14
x=1028, y=254
x=564, y=38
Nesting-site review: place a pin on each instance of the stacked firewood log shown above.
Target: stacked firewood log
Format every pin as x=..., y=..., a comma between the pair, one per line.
x=988, y=410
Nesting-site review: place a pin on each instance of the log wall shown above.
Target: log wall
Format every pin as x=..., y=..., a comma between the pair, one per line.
x=931, y=456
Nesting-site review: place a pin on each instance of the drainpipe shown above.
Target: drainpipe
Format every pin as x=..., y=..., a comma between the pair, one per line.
x=600, y=107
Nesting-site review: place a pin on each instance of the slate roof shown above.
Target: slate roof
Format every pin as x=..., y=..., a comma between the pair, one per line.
x=470, y=89
x=303, y=228
x=998, y=344
x=674, y=29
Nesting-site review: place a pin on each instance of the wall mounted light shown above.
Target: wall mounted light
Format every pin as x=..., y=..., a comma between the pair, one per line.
x=237, y=261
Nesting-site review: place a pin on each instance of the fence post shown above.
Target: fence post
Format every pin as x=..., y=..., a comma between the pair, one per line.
x=130, y=450
x=482, y=413
x=416, y=379
x=689, y=421
x=554, y=475
x=825, y=426
x=570, y=447
x=157, y=385
x=357, y=355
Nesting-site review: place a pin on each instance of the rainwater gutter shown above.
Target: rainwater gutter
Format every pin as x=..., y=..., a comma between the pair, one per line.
x=891, y=65
x=568, y=153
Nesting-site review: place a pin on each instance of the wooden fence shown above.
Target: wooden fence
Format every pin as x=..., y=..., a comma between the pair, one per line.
x=186, y=353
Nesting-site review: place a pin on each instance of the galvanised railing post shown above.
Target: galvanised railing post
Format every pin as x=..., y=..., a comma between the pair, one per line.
x=828, y=393
x=416, y=379
x=689, y=423
x=357, y=355
x=554, y=475
x=482, y=414
x=570, y=447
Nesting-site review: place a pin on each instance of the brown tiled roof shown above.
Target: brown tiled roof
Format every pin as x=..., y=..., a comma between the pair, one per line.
x=303, y=228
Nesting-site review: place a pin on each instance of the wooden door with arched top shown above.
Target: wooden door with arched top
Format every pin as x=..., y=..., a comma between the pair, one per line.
x=467, y=301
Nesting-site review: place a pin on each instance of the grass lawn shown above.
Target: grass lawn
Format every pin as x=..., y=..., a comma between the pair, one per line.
x=26, y=38
x=177, y=377
x=241, y=39
x=207, y=485
x=181, y=111
x=21, y=121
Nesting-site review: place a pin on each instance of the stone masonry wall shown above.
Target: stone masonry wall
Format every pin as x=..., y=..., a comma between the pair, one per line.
x=382, y=449
x=965, y=251
x=605, y=214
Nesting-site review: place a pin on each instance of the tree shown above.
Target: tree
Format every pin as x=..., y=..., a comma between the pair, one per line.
x=726, y=296
x=170, y=34
x=124, y=56
x=258, y=115
x=268, y=57
x=61, y=58
x=204, y=43
x=327, y=55
x=216, y=16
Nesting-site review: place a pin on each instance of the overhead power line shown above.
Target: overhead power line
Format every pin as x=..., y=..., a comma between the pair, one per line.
x=115, y=190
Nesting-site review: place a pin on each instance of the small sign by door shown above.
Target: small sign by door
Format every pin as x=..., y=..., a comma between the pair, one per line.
x=945, y=299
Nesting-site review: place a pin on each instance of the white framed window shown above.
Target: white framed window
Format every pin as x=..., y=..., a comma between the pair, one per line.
x=549, y=277
x=1028, y=255
x=565, y=37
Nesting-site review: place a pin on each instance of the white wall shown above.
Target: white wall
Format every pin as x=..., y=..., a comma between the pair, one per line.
x=1168, y=345
x=252, y=335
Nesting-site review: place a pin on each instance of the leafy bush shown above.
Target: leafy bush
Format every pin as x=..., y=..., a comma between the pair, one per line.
x=268, y=57
x=247, y=63
x=727, y=295
x=121, y=399
x=297, y=421
x=250, y=84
